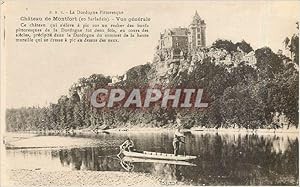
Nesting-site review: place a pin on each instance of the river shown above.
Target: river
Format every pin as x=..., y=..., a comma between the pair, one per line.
x=222, y=158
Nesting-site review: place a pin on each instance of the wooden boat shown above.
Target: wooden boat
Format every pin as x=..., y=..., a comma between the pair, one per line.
x=150, y=160
x=155, y=155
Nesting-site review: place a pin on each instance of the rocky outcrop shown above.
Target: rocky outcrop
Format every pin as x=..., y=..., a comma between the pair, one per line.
x=165, y=69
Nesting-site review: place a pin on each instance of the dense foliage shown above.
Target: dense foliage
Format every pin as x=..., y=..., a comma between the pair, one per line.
x=238, y=96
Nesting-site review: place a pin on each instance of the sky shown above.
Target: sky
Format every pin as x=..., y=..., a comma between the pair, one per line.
x=38, y=74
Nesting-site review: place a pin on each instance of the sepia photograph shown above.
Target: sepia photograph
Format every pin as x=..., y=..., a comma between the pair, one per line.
x=149, y=93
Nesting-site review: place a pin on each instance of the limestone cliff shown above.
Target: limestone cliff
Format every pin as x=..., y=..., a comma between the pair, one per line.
x=166, y=69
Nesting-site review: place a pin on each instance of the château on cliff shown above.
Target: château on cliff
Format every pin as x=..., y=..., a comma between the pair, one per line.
x=180, y=41
x=180, y=50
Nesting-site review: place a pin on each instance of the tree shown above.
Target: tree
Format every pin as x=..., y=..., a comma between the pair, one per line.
x=294, y=48
x=293, y=45
x=268, y=62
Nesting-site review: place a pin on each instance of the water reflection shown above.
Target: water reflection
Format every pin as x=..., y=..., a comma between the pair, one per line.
x=90, y=159
x=127, y=165
x=224, y=159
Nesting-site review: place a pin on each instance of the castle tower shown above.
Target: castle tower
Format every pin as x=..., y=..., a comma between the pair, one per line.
x=197, y=36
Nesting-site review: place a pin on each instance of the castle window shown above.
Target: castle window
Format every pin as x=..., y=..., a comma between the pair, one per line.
x=199, y=42
x=198, y=35
x=198, y=29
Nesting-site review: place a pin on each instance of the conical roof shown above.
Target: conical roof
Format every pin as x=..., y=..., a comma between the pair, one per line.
x=196, y=18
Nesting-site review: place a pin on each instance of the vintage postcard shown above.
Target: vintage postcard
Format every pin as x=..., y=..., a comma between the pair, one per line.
x=149, y=93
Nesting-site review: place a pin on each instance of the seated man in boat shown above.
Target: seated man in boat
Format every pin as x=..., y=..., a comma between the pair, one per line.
x=127, y=145
x=177, y=140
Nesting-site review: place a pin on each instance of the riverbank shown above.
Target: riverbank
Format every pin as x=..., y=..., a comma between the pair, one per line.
x=24, y=134
x=26, y=177
x=200, y=129
x=35, y=140
x=57, y=140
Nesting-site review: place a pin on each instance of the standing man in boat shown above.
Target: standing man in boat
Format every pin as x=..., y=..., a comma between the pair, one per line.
x=177, y=136
x=177, y=140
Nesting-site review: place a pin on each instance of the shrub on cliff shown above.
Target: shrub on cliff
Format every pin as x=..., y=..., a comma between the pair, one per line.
x=137, y=76
x=244, y=46
x=228, y=45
